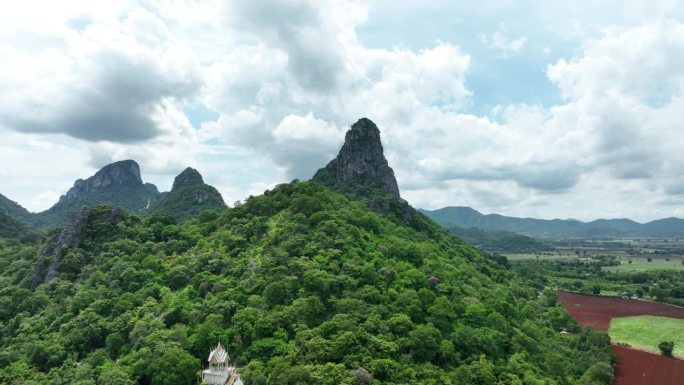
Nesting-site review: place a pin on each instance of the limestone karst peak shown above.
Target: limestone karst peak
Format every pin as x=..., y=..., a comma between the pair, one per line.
x=189, y=177
x=361, y=159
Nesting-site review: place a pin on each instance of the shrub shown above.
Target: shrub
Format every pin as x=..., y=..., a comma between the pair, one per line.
x=666, y=348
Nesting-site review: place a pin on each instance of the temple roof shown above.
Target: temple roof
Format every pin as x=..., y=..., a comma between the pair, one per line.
x=219, y=354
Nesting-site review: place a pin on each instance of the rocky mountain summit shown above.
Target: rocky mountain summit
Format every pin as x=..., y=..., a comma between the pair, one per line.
x=360, y=162
x=122, y=173
x=188, y=197
x=118, y=184
x=189, y=177
x=361, y=171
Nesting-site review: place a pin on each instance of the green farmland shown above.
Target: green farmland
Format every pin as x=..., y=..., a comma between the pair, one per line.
x=642, y=264
x=646, y=332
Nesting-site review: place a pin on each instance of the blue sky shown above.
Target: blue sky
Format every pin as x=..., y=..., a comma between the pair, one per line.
x=526, y=108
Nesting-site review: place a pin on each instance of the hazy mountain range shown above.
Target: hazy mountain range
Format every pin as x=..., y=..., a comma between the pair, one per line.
x=556, y=228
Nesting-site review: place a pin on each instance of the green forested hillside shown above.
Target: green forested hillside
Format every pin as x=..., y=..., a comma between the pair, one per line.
x=129, y=198
x=15, y=229
x=302, y=286
x=14, y=210
x=496, y=241
x=188, y=197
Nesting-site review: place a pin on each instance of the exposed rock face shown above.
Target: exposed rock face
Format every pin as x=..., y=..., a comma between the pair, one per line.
x=118, y=184
x=361, y=158
x=360, y=171
x=70, y=236
x=152, y=189
x=200, y=196
x=189, y=177
x=123, y=173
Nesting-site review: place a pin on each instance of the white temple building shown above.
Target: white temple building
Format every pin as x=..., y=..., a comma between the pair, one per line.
x=219, y=372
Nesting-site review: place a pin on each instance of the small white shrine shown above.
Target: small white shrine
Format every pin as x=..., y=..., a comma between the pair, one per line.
x=219, y=371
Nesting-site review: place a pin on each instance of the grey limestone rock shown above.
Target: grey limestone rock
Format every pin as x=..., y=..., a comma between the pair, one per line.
x=361, y=157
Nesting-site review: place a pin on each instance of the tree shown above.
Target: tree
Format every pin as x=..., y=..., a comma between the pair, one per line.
x=174, y=367
x=666, y=348
x=114, y=343
x=596, y=290
x=478, y=372
x=424, y=342
x=600, y=373
x=112, y=374
x=362, y=376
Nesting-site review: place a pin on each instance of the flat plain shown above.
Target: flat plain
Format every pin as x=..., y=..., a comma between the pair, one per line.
x=646, y=332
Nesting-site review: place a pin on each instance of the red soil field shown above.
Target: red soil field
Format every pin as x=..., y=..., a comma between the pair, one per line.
x=635, y=367
x=597, y=311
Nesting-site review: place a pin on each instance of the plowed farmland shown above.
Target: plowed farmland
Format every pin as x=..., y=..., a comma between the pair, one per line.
x=597, y=311
x=635, y=367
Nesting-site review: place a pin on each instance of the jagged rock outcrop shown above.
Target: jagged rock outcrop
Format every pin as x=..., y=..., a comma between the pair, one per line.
x=70, y=236
x=118, y=184
x=188, y=197
x=361, y=171
x=360, y=163
x=122, y=173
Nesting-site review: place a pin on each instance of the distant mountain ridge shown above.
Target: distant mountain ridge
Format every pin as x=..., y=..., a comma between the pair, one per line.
x=556, y=228
x=120, y=184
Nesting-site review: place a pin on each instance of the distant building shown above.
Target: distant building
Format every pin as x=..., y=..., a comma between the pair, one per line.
x=219, y=372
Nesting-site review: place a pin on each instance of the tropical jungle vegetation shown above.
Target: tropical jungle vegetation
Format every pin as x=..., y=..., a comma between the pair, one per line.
x=302, y=285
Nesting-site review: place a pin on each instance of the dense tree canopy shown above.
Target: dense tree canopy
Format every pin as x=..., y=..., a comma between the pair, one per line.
x=301, y=285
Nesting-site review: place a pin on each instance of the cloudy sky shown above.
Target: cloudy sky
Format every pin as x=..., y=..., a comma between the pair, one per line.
x=525, y=108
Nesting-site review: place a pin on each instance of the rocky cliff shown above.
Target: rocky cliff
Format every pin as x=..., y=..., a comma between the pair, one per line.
x=69, y=236
x=361, y=171
x=360, y=163
x=118, y=184
x=125, y=173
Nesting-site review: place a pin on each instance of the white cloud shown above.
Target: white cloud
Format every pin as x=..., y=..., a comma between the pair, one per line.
x=499, y=41
x=286, y=78
x=107, y=82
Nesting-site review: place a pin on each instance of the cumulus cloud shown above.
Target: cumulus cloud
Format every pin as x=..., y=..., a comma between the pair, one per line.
x=107, y=83
x=309, y=31
x=286, y=78
x=623, y=91
x=266, y=106
x=303, y=144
